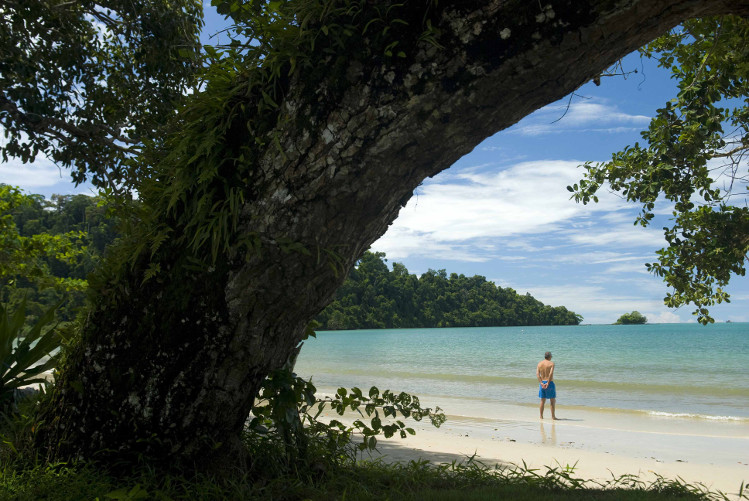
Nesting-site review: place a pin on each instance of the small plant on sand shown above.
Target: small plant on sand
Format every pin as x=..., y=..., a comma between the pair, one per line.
x=288, y=412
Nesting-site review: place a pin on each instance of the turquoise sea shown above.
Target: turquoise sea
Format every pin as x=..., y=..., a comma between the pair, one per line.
x=684, y=371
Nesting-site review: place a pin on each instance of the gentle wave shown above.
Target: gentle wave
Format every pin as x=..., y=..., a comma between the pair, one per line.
x=687, y=415
x=467, y=378
x=663, y=414
x=612, y=410
x=584, y=408
x=628, y=387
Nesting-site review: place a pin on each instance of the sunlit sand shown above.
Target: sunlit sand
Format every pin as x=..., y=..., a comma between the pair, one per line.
x=600, y=444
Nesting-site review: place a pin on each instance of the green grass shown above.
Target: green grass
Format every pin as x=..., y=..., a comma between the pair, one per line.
x=468, y=480
x=521, y=493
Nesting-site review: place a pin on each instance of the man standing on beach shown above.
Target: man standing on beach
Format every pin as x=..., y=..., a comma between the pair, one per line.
x=546, y=389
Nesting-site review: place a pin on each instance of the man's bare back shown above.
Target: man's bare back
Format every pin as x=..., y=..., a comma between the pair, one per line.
x=545, y=369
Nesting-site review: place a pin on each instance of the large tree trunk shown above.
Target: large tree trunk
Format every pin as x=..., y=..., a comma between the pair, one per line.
x=169, y=368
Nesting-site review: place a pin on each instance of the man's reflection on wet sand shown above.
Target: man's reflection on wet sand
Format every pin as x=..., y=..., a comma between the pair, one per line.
x=550, y=439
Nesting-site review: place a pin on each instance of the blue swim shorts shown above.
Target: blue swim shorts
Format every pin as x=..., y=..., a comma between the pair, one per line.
x=549, y=392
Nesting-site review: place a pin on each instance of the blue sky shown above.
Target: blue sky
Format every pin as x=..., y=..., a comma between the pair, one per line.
x=503, y=210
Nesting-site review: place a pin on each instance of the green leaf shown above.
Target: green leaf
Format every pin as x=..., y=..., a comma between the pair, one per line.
x=23, y=364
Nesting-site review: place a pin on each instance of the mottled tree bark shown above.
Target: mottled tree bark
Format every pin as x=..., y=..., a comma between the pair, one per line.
x=174, y=375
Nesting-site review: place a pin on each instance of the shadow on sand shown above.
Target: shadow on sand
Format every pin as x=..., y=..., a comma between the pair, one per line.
x=392, y=452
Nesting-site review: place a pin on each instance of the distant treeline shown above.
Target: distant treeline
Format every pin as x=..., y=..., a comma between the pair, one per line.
x=374, y=297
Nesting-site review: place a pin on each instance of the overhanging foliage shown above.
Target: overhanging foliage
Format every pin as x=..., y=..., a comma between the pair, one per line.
x=695, y=157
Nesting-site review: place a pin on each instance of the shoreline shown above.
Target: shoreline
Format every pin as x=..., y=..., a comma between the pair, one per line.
x=451, y=445
x=601, y=445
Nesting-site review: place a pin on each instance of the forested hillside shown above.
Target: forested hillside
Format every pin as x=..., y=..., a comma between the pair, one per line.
x=57, y=243
x=375, y=297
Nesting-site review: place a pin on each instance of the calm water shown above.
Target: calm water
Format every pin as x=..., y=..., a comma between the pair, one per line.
x=685, y=370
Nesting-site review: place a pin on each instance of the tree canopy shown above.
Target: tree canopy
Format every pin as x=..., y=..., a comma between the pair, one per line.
x=88, y=83
x=374, y=297
x=26, y=254
x=695, y=157
x=634, y=317
x=48, y=248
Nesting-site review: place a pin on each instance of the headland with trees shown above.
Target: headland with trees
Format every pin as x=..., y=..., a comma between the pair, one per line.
x=375, y=297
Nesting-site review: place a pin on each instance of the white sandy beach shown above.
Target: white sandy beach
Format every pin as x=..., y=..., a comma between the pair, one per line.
x=600, y=444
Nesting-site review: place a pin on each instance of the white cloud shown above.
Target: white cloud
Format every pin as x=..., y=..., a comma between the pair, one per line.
x=621, y=236
x=542, y=129
x=618, y=218
x=460, y=216
x=513, y=258
x=662, y=317
x=582, y=116
x=400, y=243
x=41, y=173
x=599, y=305
x=599, y=257
x=627, y=269
x=593, y=111
x=41, y=177
x=526, y=244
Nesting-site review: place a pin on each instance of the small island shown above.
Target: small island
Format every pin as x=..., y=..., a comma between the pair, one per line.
x=634, y=318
